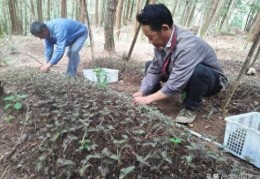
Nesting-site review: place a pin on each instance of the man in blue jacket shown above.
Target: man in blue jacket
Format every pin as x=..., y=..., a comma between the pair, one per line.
x=182, y=60
x=62, y=33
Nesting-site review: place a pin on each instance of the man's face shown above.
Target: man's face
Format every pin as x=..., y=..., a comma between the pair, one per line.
x=157, y=38
x=43, y=35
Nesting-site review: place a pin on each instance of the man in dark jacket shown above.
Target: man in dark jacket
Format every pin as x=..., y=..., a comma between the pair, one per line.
x=182, y=60
x=62, y=33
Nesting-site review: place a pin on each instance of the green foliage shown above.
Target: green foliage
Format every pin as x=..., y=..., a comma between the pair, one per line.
x=14, y=101
x=175, y=140
x=84, y=131
x=102, y=77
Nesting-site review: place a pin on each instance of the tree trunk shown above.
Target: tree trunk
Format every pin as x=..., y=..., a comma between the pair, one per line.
x=103, y=10
x=191, y=15
x=78, y=10
x=15, y=24
x=139, y=7
x=127, y=12
x=254, y=29
x=119, y=10
x=257, y=57
x=230, y=10
x=83, y=6
x=63, y=9
x=86, y=16
x=48, y=10
x=210, y=14
x=39, y=9
x=217, y=14
x=32, y=8
x=186, y=12
x=109, y=21
x=242, y=71
x=225, y=15
x=97, y=13
x=134, y=40
x=6, y=27
x=175, y=7
x=132, y=10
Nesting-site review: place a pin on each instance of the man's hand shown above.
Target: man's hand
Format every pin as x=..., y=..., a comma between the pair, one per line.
x=142, y=100
x=45, y=68
x=138, y=94
x=139, y=98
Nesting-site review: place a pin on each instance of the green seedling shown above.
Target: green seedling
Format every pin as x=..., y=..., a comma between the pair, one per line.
x=175, y=140
x=102, y=77
x=14, y=101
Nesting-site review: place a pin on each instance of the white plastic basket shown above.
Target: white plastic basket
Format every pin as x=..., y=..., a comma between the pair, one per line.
x=242, y=136
x=111, y=75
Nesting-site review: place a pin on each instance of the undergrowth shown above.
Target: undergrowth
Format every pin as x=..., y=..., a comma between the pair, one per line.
x=83, y=131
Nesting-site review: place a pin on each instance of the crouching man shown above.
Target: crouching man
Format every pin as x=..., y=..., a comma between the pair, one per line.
x=182, y=60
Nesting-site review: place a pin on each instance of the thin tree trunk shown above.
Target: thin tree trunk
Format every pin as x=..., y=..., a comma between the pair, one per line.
x=86, y=16
x=15, y=24
x=257, y=57
x=139, y=7
x=210, y=14
x=39, y=9
x=225, y=15
x=103, y=10
x=216, y=16
x=48, y=10
x=134, y=40
x=186, y=13
x=175, y=7
x=254, y=29
x=63, y=8
x=127, y=12
x=97, y=13
x=32, y=8
x=226, y=23
x=109, y=21
x=131, y=10
x=119, y=10
x=242, y=71
x=191, y=15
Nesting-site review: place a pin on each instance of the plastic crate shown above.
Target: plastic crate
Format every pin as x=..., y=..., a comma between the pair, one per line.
x=111, y=75
x=242, y=136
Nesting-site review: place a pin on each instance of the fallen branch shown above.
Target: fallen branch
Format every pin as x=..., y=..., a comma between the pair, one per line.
x=20, y=141
x=21, y=53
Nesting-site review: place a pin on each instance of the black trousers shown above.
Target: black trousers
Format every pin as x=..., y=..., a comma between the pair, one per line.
x=204, y=82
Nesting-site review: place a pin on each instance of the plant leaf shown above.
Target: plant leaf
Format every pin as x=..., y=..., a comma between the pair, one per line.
x=22, y=96
x=18, y=105
x=9, y=98
x=175, y=140
x=64, y=162
x=125, y=171
x=7, y=106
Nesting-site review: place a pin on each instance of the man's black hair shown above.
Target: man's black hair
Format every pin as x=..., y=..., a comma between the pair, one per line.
x=37, y=27
x=155, y=15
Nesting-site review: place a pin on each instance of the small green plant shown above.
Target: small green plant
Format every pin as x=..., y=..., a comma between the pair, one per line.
x=101, y=77
x=14, y=101
x=175, y=140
